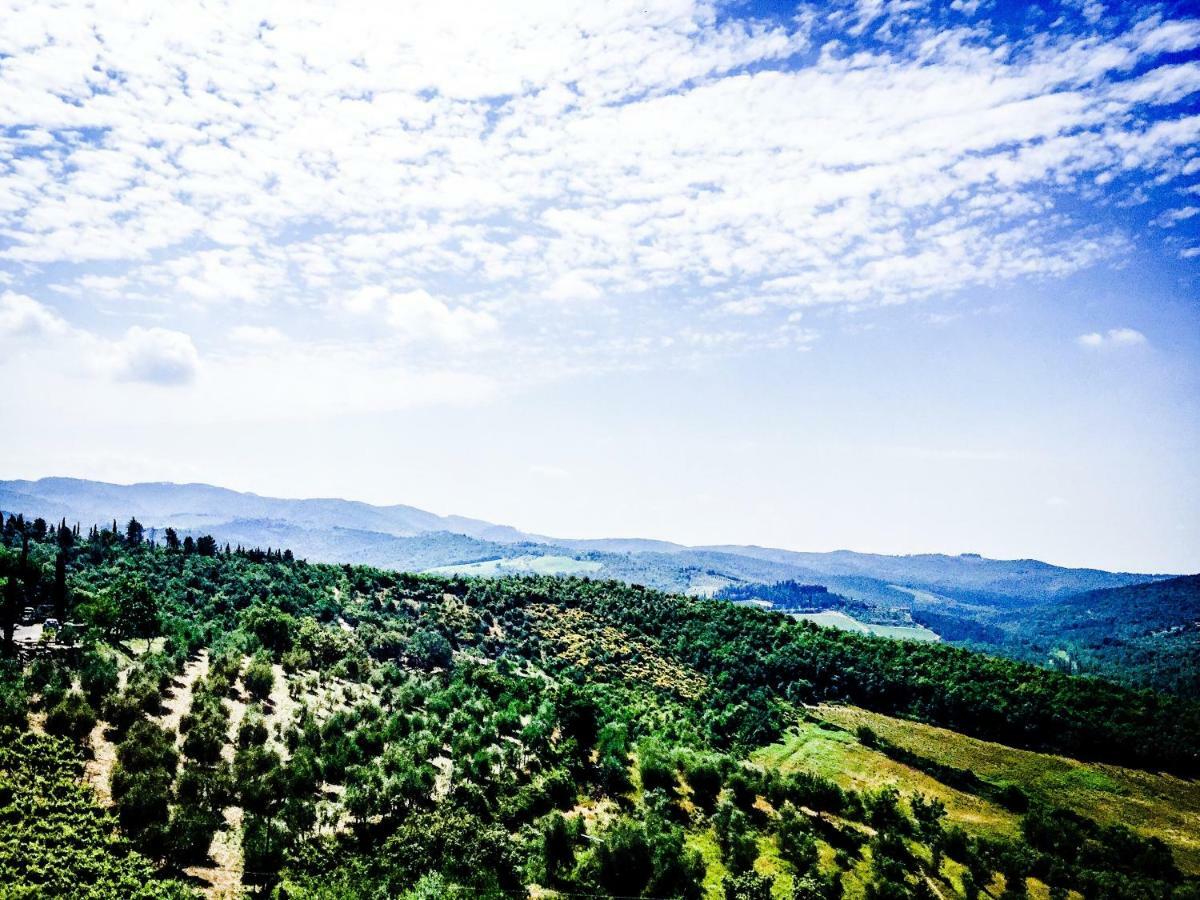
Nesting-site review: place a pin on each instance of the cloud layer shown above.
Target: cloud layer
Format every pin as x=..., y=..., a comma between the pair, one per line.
x=533, y=181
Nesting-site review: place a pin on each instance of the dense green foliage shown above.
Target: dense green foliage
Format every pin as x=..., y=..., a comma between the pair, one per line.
x=1143, y=635
x=464, y=737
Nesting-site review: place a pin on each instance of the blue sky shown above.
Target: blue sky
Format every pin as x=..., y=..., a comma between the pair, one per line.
x=891, y=276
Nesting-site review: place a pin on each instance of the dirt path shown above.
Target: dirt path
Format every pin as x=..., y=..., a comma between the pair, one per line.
x=223, y=879
x=278, y=712
x=97, y=771
x=235, y=705
x=177, y=705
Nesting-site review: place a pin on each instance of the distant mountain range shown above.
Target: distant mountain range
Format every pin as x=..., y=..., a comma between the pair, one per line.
x=1141, y=628
x=404, y=537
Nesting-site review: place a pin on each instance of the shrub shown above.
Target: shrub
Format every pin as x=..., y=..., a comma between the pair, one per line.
x=252, y=730
x=71, y=717
x=98, y=676
x=704, y=776
x=259, y=678
x=748, y=886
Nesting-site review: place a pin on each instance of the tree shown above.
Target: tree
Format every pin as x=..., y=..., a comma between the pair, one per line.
x=738, y=847
x=623, y=859
x=206, y=545
x=704, y=777
x=558, y=847
x=929, y=814
x=258, y=779
x=264, y=841
x=136, y=608
x=171, y=537
x=252, y=730
x=678, y=870
x=14, y=696
x=271, y=626
x=141, y=785
x=98, y=675
x=430, y=650
x=134, y=533
x=655, y=767
x=612, y=757
x=66, y=540
x=71, y=717
x=10, y=598
x=796, y=842
x=815, y=886
x=260, y=677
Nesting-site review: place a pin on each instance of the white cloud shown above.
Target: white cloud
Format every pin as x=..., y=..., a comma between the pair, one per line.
x=572, y=286
x=416, y=315
x=22, y=316
x=1114, y=337
x=154, y=356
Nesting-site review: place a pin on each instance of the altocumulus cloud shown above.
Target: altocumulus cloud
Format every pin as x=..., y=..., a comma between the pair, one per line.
x=517, y=176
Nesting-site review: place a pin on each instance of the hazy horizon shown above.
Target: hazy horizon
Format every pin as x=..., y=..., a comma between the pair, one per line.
x=533, y=531
x=880, y=276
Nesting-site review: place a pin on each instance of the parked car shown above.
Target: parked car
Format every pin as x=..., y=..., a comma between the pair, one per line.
x=51, y=623
x=27, y=615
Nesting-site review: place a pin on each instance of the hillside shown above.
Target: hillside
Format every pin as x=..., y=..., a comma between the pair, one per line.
x=344, y=731
x=1143, y=634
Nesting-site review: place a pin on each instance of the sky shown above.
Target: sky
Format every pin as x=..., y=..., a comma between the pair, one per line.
x=883, y=275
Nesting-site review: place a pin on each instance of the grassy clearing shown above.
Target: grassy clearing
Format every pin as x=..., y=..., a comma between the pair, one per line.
x=835, y=619
x=837, y=754
x=522, y=565
x=1152, y=804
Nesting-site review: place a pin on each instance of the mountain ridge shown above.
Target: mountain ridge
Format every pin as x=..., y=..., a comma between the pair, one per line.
x=401, y=536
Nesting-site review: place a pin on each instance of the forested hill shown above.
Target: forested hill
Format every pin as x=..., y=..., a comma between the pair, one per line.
x=1145, y=633
x=377, y=731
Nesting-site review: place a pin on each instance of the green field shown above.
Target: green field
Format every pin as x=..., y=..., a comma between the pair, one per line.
x=521, y=565
x=835, y=619
x=836, y=754
x=1152, y=804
